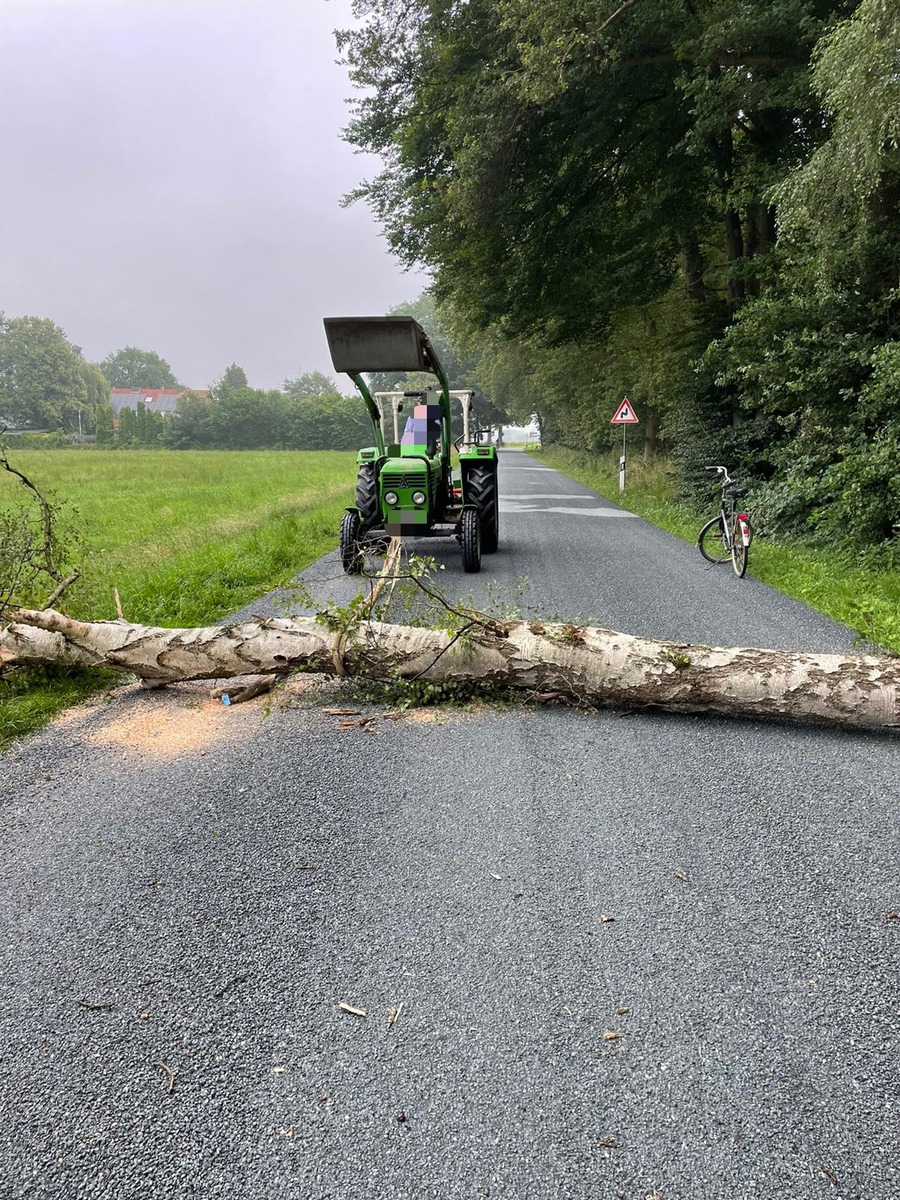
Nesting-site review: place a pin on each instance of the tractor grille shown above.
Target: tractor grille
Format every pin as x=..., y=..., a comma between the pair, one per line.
x=410, y=480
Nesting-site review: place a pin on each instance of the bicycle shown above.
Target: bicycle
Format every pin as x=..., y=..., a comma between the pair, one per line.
x=728, y=535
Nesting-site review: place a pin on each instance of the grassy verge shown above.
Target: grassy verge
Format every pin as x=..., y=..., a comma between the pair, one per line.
x=185, y=537
x=867, y=601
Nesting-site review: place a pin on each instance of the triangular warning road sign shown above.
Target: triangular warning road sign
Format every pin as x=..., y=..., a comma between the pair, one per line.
x=625, y=414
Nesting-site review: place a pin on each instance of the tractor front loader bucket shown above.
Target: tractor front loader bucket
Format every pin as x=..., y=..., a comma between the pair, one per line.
x=378, y=344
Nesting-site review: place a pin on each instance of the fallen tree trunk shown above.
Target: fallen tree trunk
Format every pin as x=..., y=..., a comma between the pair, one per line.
x=595, y=666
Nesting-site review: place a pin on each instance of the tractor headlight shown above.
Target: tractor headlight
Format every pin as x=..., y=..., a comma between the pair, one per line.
x=390, y=498
x=418, y=497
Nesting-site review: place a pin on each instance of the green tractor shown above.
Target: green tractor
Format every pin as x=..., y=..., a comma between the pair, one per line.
x=408, y=487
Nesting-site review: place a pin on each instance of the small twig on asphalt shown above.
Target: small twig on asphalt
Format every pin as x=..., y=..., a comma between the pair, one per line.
x=358, y=723
x=228, y=986
x=348, y=1008
x=171, y=1074
x=97, y=1007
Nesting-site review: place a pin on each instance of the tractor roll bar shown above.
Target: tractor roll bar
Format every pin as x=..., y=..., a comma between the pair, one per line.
x=392, y=399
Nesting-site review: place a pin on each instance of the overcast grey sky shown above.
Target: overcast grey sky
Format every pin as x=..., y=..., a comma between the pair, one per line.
x=170, y=176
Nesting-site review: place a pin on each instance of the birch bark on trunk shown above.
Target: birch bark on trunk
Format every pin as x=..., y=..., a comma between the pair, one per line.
x=597, y=666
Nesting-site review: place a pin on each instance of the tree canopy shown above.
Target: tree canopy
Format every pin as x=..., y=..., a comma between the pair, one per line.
x=692, y=202
x=234, y=377
x=134, y=368
x=551, y=161
x=44, y=380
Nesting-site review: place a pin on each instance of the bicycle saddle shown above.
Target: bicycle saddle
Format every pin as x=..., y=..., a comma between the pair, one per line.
x=734, y=490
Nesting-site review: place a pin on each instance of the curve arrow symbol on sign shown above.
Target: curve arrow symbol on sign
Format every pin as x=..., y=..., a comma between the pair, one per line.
x=625, y=414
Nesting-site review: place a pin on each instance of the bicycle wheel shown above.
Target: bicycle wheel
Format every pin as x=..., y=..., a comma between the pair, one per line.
x=712, y=542
x=739, y=552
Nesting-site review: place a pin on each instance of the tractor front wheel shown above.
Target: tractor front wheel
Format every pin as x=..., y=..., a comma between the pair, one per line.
x=481, y=489
x=351, y=551
x=470, y=540
x=367, y=495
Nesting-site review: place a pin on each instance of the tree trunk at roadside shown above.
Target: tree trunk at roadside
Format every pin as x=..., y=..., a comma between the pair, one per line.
x=650, y=433
x=594, y=666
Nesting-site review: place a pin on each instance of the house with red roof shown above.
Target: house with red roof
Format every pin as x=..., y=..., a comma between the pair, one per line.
x=161, y=400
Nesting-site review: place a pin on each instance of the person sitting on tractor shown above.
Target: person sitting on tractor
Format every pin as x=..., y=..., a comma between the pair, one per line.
x=423, y=429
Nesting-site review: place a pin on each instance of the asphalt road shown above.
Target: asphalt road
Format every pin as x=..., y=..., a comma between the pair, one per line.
x=190, y=892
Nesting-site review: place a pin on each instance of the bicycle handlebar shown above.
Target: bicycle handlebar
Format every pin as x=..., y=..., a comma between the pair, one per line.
x=721, y=471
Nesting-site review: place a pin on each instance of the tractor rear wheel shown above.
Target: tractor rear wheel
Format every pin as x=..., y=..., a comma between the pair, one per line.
x=470, y=540
x=351, y=551
x=367, y=495
x=481, y=489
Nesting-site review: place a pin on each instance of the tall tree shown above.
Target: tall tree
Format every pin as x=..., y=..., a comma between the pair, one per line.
x=134, y=368
x=128, y=433
x=189, y=427
x=234, y=377
x=318, y=417
x=103, y=425
x=246, y=419
x=311, y=383
x=815, y=360
x=556, y=161
x=692, y=202
x=849, y=190
x=43, y=378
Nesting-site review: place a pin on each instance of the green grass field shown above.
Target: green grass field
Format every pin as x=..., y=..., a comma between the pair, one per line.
x=189, y=536
x=868, y=601
x=186, y=537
